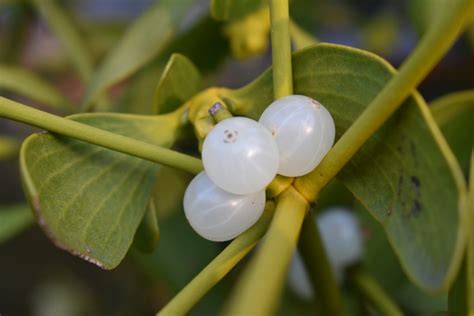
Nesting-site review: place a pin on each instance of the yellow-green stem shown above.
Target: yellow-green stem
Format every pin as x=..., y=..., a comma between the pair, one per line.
x=319, y=269
x=369, y=288
x=183, y=302
x=260, y=287
x=431, y=49
x=281, y=49
x=25, y=114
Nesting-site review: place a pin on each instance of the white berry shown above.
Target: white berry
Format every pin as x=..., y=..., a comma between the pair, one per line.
x=240, y=156
x=218, y=215
x=343, y=241
x=341, y=235
x=304, y=131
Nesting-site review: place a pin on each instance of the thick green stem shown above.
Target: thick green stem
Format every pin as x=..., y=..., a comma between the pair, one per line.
x=25, y=114
x=183, y=302
x=261, y=285
x=373, y=292
x=281, y=48
x=319, y=269
x=431, y=49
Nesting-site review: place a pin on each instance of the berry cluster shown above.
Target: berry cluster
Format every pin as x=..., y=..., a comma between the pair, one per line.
x=241, y=157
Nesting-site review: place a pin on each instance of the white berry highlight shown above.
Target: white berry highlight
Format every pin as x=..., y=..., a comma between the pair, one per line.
x=218, y=215
x=240, y=156
x=304, y=131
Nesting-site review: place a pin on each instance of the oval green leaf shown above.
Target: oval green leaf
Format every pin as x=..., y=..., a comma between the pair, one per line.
x=233, y=9
x=90, y=200
x=455, y=115
x=30, y=85
x=150, y=33
x=404, y=175
x=179, y=82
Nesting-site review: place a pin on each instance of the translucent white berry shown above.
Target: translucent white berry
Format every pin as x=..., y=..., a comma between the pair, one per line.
x=218, y=215
x=341, y=235
x=304, y=131
x=240, y=156
x=343, y=241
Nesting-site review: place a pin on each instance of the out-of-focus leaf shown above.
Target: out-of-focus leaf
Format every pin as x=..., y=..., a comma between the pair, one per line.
x=301, y=39
x=89, y=200
x=181, y=255
x=8, y=147
x=405, y=175
x=63, y=27
x=455, y=115
x=138, y=97
x=234, y=9
x=147, y=236
x=148, y=35
x=169, y=190
x=13, y=220
x=250, y=35
x=28, y=84
x=424, y=12
x=179, y=82
x=194, y=44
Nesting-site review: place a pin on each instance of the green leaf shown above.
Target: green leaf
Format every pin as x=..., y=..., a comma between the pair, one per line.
x=404, y=175
x=169, y=189
x=63, y=27
x=30, y=85
x=455, y=113
x=147, y=236
x=234, y=9
x=13, y=220
x=301, y=38
x=89, y=200
x=149, y=34
x=8, y=147
x=382, y=263
x=179, y=82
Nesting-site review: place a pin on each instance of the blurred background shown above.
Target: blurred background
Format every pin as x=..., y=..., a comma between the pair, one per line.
x=36, y=278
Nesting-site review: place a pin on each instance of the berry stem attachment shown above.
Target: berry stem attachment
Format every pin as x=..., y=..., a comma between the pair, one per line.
x=219, y=112
x=53, y=123
x=281, y=49
x=182, y=303
x=319, y=269
x=369, y=288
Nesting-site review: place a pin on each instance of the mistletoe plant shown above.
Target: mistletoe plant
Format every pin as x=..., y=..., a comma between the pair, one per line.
x=91, y=178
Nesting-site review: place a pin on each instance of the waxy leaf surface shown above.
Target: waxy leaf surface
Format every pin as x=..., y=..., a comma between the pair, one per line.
x=88, y=199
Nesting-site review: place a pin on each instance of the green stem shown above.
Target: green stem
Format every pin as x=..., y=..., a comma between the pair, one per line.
x=319, y=269
x=373, y=292
x=25, y=114
x=281, y=48
x=260, y=287
x=427, y=54
x=183, y=302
